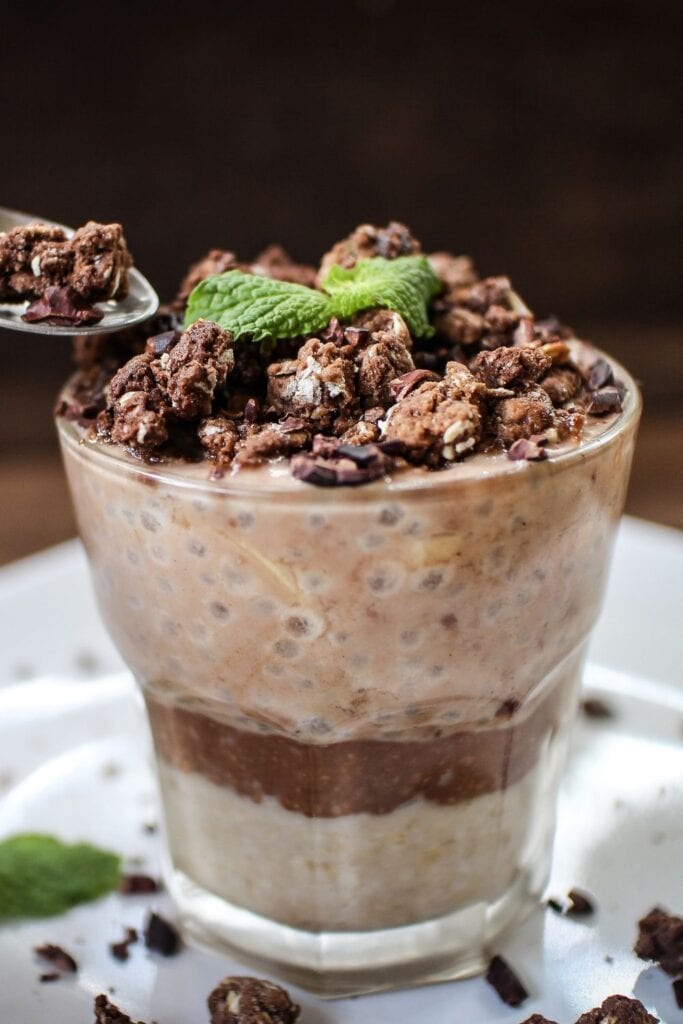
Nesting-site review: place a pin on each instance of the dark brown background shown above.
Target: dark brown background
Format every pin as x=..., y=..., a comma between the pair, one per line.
x=543, y=139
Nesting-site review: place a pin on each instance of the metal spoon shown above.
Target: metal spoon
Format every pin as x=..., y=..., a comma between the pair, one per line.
x=140, y=303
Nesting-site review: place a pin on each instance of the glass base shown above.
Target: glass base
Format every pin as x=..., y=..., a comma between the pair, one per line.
x=336, y=964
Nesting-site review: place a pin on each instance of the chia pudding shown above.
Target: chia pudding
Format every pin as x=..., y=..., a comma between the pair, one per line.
x=355, y=571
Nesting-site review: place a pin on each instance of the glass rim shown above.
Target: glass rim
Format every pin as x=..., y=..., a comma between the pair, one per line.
x=287, y=487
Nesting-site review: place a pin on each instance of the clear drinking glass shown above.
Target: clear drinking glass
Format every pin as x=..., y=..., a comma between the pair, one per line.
x=360, y=698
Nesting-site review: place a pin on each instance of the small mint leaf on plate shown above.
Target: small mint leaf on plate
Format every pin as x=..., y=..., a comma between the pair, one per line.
x=405, y=285
x=40, y=876
x=258, y=307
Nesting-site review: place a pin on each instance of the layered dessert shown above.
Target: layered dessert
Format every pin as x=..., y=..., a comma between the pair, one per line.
x=350, y=527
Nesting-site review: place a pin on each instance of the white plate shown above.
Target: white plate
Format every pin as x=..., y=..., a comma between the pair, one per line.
x=74, y=759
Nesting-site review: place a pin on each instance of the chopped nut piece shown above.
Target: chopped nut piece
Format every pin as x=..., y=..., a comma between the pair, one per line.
x=243, y=1000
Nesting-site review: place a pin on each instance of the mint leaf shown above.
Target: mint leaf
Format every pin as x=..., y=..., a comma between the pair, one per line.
x=405, y=285
x=41, y=876
x=260, y=307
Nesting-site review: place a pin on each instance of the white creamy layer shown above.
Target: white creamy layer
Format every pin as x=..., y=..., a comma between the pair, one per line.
x=358, y=871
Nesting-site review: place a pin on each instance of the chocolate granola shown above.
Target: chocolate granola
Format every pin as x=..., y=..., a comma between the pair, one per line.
x=93, y=262
x=490, y=378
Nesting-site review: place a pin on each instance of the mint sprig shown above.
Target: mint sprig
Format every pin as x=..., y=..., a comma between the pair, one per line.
x=260, y=307
x=40, y=876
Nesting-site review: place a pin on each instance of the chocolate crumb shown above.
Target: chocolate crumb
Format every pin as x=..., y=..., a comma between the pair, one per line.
x=677, y=987
x=660, y=938
x=537, y=1018
x=555, y=905
x=594, y=707
x=599, y=375
x=119, y=950
x=150, y=828
x=50, y=976
x=57, y=956
x=245, y=1000
x=508, y=708
x=133, y=885
x=618, y=1010
x=61, y=307
x=526, y=448
x=603, y=402
x=161, y=936
x=107, y=1013
x=503, y=979
x=580, y=905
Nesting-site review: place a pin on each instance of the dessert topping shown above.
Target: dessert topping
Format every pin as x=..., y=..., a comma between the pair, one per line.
x=618, y=1010
x=58, y=957
x=161, y=936
x=244, y=1000
x=107, y=1013
x=660, y=938
x=119, y=950
x=503, y=979
x=61, y=307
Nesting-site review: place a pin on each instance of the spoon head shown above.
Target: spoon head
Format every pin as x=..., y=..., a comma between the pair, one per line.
x=141, y=302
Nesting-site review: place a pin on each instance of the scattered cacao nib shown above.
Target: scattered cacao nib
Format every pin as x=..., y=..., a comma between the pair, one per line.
x=407, y=382
x=58, y=957
x=365, y=464
x=158, y=344
x=291, y=424
x=580, y=904
x=356, y=335
x=603, y=402
x=107, y=1013
x=245, y=1000
x=677, y=987
x=119, y=950
x=133, y=885
x=600, y=375
x=660, y=938
x=62, y=307
x=618, y=1010
x=161, y=936
x=49, y=976
x=251, y=410
x=577, y=904
x=508, y=708
x=595, y=707
x=526, y=448
x=503, y=979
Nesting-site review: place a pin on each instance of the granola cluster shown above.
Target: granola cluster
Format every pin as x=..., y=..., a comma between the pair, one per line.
x=356, y=400
x=93, y=263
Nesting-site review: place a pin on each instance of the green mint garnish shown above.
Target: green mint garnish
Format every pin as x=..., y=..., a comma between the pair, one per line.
x=40, y=876
x=261, y=308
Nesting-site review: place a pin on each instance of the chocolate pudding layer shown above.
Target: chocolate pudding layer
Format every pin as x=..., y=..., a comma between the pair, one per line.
x=326, y=780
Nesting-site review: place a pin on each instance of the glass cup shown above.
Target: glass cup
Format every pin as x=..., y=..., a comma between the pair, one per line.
x=360, y=698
